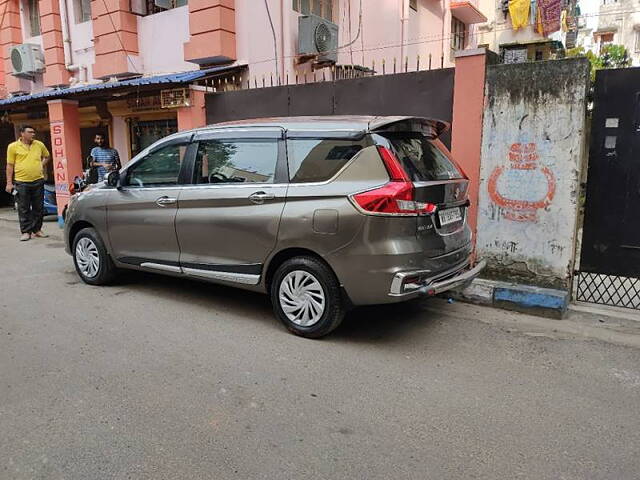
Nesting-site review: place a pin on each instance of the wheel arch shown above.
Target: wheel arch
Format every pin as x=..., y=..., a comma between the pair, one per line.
x=291, y=252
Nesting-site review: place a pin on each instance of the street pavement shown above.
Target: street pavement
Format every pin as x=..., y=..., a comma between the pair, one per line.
x=163, y=378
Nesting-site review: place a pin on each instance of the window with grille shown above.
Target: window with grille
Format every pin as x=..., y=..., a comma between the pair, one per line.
x=458, y=34
x=150, y=7
x=606, y=38
x=32, y=13
x=82, y=10
x=321, y=8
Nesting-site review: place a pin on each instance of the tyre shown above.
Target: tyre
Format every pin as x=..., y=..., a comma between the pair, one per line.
x=93, y=263
x=306, y=297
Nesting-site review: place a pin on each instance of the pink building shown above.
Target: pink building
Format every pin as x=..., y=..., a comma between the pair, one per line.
x=138, y=70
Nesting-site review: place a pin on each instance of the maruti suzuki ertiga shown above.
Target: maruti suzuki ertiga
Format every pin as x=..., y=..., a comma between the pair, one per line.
x=321, y=213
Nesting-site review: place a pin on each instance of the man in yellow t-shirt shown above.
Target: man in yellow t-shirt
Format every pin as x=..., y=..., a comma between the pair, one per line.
x=26, y=159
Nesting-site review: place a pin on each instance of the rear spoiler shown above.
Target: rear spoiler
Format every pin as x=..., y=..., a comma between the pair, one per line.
x=429, y=127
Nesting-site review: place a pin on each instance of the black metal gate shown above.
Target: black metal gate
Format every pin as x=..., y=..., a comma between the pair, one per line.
x=609, y=271
x=423, y=93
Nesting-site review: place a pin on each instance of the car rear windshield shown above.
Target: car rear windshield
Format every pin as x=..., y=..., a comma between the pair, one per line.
x=421, y=158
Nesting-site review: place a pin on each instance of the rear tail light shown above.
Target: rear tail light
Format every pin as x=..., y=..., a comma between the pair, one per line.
x=397, y=196
x=393, y=166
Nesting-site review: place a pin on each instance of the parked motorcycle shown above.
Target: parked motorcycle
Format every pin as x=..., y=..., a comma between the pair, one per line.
x=79, y=184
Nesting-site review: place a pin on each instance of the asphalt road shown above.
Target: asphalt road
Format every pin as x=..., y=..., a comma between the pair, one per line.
x=158, y=378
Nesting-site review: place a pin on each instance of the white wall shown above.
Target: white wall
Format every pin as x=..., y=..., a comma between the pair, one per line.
x=120, y=140
x=380, y=37
x=83, y=54
x=161, y=39
x=527, y=213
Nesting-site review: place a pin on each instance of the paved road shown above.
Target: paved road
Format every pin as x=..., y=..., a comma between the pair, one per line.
x=158, y=378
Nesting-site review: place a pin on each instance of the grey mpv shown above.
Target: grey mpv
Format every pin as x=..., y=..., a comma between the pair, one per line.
x=323, y=214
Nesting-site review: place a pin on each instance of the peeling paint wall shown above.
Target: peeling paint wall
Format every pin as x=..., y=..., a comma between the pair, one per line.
x=532, y=154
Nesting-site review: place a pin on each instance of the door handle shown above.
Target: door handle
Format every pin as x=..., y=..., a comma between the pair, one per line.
x=260, y=197
x=165, y=201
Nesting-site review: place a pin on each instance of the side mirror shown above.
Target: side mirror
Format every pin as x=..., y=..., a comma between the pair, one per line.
x=113, y=179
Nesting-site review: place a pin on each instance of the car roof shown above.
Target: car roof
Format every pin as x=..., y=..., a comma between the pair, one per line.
x=346, y=123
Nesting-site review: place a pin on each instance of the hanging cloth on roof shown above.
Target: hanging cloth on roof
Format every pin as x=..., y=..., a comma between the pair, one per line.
x=549, y=16
x=504, y=7
x=539, y=28
x=563, y=21
x=533, y=16
x=519, y=11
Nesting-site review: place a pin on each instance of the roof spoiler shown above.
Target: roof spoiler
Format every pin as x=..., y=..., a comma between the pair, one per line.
x=429, y=127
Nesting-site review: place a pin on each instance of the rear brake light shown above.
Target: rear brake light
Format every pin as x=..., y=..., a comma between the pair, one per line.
x=397, y=196
x=392, y=164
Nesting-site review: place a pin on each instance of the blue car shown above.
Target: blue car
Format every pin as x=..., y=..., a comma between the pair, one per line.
x=50, y=206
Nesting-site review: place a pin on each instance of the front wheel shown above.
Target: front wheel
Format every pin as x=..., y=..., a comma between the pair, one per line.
x=93, y=263
x=306, y=297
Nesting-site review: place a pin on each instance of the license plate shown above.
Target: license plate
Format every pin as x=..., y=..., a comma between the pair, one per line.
x=450, y=215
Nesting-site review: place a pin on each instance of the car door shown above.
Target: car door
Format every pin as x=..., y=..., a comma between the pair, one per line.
x=141, y=212
x=228, y=220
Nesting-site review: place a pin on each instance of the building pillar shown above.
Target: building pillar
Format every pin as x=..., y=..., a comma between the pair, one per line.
x=115, y=32
x=10, y=34
x=212, y=25
x=56, y=73
x=195, y=115
x=66, y=154
x=468, y=108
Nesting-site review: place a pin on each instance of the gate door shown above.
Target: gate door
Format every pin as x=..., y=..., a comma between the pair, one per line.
x=609, y=271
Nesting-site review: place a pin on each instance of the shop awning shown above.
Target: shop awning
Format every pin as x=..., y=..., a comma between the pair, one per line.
x=467, y=12
x=170, y=79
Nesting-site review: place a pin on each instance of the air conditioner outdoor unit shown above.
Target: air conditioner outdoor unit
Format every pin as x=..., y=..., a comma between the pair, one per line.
x=27, y=60
x=317, y=37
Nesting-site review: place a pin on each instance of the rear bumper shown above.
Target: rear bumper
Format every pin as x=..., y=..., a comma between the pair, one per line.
x=407, y=285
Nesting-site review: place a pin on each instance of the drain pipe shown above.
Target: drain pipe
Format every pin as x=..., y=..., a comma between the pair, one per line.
x=282, y=16
x=404, y=18
x=66, y=38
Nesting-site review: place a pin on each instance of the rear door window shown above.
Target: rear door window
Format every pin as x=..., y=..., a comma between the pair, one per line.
x=318, y=160
x=236, y=161
x=422, y=158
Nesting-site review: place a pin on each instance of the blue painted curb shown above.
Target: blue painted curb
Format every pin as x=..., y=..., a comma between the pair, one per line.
x=523, y=298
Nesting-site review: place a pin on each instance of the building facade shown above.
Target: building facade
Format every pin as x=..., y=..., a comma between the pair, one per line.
x=618, y=22
x=532, y=37
x=138, y=70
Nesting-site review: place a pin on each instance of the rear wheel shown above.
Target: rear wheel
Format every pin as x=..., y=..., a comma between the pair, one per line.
x=306, y=297
x=93, y=263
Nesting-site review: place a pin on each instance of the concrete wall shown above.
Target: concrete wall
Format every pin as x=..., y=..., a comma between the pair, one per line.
x=161, y=38
x=81, y=43
x=532, y=152
x=386, y=25
x=120, y=138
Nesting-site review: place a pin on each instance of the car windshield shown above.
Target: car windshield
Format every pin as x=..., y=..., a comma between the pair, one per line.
x=422, y=158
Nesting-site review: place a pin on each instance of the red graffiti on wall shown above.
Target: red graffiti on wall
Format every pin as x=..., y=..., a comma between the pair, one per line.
x=525, y=175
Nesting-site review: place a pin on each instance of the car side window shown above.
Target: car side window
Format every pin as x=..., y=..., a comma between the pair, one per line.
x=159, y=168
x=236, y=161
x=317, y=160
